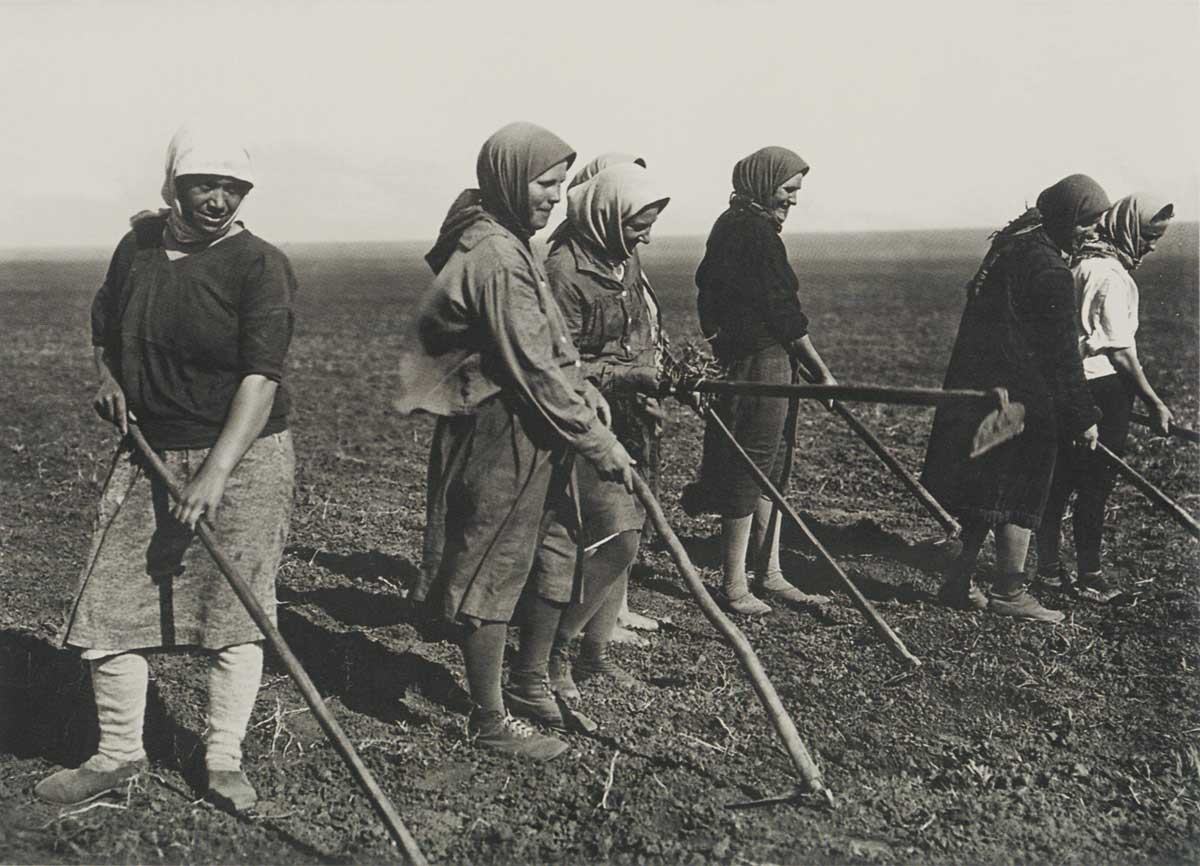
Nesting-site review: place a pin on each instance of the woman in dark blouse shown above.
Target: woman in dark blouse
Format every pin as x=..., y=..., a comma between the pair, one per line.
x=1018, y=331
x=749, y=306
x=190, y=331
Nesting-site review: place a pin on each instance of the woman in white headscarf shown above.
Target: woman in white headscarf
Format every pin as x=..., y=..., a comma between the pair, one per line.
x=613, y=319
x=648, y=462
x=190, y=331
x=1107, y=298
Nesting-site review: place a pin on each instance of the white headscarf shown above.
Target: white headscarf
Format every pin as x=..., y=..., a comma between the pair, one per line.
x=197, y=149
x=603, y=161
x=599, y=207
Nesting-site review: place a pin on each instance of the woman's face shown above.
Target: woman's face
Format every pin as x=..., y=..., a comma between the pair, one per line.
x=544, y=193
x=785, y=197
x=636, y=230
x=207, y=200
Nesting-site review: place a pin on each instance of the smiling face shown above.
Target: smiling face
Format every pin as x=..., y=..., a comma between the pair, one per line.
x=785, y=197
x=544, y=193
x=208, y=201
x=636, y=230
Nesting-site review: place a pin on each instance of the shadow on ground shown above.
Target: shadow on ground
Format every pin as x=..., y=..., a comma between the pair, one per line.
x=47, y=709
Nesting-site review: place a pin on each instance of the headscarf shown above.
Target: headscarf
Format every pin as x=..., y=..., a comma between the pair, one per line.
x=1128, y=227
x=201, y=149
x=603, y=161
x=512, y=158
x=1076, y=200
x=599, y=207
x=761, y=173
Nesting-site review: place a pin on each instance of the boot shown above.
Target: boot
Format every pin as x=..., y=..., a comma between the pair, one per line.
x=561, y=681
x=1093, y=587
x=778, y=588
x=639, y=622
x=958, y=590
x=231, y=790
x=595, y=661
x=1010, y=598
x=1054, y=576
x=95, y=777
x=961, y=594
x=532, y=698
x=506, y=735
x=747, y=604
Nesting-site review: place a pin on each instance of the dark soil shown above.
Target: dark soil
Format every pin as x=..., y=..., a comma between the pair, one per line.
x=1012, y=743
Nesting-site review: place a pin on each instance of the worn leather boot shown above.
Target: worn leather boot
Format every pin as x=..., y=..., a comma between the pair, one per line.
x=596, y=661
x=561, y=681
x=95, y=777
x=1010, y=598
x=500, y=733
x=962, y=594
x=531, y=697
x=231, y=790
x=777, y=588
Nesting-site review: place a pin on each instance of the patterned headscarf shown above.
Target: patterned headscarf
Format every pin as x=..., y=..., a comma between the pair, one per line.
x=1132, y=224
x=598, y=208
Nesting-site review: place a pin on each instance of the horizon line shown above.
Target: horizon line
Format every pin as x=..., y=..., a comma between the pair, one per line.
x=8, y=250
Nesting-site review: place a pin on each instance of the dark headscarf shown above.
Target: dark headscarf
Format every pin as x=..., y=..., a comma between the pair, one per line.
x=511, y=158
x=761, y=173
x=508, y=162
x=1076, y=200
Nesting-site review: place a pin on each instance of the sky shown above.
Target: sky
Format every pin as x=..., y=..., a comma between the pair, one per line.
x=364, y=118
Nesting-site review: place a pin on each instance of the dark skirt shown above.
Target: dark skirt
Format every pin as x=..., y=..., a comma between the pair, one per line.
x=1010, y=483
x=726, y=487
x=148, y=582
x=496, y=483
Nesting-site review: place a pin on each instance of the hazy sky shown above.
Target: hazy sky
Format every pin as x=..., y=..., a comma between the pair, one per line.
x=364, y=119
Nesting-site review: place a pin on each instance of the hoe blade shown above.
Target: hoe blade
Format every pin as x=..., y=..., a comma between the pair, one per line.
x=997, y=427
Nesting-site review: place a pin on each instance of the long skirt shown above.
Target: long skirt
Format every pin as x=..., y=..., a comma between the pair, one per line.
x=148, y=581
x=758, y=424
x=497, y=481
x=1010, y=483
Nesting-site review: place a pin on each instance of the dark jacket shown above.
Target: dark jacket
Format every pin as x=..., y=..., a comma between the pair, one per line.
x=1018, y=332
x=749, y=297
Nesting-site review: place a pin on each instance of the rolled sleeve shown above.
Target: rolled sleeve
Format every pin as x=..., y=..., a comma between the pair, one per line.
x=1109, y=314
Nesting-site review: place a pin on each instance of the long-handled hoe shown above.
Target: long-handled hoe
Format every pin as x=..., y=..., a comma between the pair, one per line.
x=312, y=697
x=810, y=774
x=1155, y=495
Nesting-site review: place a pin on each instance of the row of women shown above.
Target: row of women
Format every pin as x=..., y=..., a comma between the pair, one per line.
x=538, y=375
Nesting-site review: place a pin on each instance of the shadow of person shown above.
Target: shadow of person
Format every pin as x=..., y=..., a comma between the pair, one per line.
x=866, y=537
x=48, y=710
x=365, y=674
x=360, y=565
x=46, y=705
